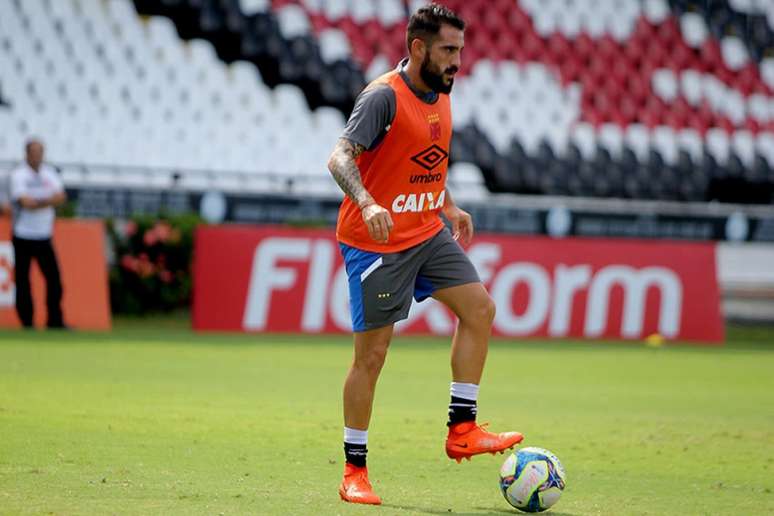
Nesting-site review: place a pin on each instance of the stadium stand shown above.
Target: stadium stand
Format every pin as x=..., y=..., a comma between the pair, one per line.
x=105, y=87
x=651, y=99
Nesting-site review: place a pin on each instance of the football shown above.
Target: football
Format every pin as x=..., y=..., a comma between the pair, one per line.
x=532, y=479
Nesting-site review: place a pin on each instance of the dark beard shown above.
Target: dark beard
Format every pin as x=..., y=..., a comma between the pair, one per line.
x=433, y=78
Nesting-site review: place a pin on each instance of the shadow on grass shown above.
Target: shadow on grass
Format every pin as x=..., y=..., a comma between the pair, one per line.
x=480, y=511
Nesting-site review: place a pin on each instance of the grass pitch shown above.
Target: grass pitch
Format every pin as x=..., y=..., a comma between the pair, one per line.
x=152, y=419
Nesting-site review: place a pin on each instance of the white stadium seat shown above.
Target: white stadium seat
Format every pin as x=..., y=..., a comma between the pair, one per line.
x=334, y=45
x=584, y=138
x=637, y=137
x=254, y=6
x=694, y=29
x=691, y=141
x=734, y=52
x=293, y=21
x=655, y=11
x=135, y=94
x=335, y=9
x=390, y=12
x=103, y=85
x=664, y=141
x=665, y=84
x=466, y=182
x=743, y=144
x=718, y=144
x=611, y=137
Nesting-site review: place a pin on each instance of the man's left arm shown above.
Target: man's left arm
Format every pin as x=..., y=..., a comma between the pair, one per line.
x=461, y=221
x=59, y=197
x=21, y=195
x=55, y=200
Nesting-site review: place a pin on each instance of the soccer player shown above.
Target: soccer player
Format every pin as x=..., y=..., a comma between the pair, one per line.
x=391, y=163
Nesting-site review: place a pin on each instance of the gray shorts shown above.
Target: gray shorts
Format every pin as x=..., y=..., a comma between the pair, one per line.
x=381, y=285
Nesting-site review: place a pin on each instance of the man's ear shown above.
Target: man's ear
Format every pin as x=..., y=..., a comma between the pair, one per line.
x=418, y=47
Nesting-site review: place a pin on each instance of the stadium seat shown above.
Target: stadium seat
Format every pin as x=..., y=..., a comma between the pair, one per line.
x=250, y=7
x=628, y=78
x=466, y=182
x=694, y=29
x=734, y=52
x=151, y=94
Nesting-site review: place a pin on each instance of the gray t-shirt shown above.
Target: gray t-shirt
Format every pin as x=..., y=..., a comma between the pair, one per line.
x=375, y=110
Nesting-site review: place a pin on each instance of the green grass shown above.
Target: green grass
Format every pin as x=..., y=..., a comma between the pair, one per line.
x=152, y=419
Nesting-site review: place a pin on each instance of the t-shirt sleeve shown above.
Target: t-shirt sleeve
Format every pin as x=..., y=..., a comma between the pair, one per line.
x=56, y=181
x=17, y=187
x=373, y=113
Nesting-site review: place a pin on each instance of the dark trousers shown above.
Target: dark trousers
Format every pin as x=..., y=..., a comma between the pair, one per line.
x=42, y=251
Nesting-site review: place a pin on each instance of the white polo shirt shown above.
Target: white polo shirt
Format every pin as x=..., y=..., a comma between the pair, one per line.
x=36, y=224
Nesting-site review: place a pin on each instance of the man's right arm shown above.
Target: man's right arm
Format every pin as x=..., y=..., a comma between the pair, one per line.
x=32, y=204
x=344, y=169
x=370, y=120
x=20, y=195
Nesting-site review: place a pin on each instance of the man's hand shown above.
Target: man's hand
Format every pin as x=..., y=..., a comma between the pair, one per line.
x=30, y=203
x=378, y=222
x=462, y=223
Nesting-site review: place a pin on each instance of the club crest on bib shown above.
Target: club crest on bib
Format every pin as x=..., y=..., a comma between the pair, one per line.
x=434, y=120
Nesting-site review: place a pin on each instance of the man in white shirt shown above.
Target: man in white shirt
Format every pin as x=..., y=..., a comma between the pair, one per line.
x=36, y=189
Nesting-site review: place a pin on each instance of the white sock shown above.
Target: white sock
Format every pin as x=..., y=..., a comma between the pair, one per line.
x=468, y=391
x=353, y=436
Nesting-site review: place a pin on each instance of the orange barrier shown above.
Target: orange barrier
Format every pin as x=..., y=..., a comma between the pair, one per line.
x=80, y=249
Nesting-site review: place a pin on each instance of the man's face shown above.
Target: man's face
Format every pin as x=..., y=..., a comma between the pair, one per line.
x=35, y=154
x=442, y=60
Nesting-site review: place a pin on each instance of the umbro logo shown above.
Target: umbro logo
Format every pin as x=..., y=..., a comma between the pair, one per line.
x=430, y=158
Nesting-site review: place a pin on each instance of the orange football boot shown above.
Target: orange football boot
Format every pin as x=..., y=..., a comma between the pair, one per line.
x=356, y=488
x=467, y=439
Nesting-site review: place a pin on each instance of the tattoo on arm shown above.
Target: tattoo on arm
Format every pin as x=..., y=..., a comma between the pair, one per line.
x=344, y=170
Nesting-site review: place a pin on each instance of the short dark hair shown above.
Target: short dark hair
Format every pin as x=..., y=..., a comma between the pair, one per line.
x=427, y=21
x=30, y=142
